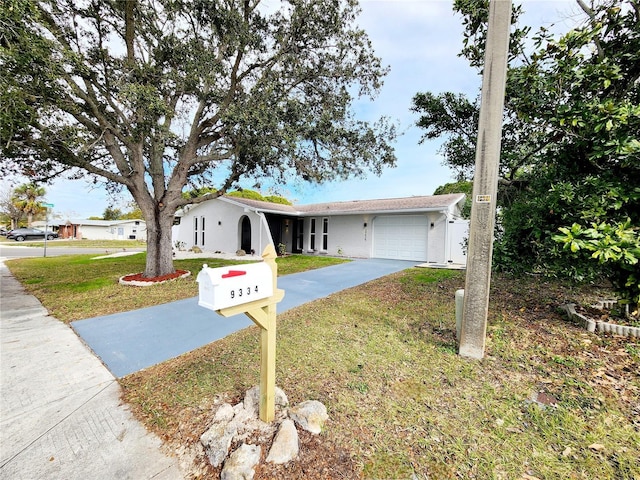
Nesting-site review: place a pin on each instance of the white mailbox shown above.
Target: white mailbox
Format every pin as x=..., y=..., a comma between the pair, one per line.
x=230, y=286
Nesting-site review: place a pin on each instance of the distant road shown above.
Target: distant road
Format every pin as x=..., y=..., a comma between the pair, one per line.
x=10, y=251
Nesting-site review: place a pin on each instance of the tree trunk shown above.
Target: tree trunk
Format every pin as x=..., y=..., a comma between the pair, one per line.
x=159, y=250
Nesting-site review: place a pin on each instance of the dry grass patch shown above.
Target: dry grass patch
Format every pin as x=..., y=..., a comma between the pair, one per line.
x=382, y=358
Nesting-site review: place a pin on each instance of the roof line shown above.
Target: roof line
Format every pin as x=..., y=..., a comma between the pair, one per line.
x=310, y=210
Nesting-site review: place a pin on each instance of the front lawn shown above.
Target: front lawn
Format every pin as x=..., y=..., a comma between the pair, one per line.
x=300, y=263
x=75, y=287
x=403, y=404
x=382, y=358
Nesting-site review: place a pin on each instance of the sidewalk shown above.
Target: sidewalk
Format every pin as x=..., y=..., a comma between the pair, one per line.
x=61, y=416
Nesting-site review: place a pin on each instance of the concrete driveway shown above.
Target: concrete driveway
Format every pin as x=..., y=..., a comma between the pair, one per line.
x=130, y=341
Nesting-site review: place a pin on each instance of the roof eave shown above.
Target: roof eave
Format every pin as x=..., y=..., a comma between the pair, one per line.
x=376, y=212
x=260, y=209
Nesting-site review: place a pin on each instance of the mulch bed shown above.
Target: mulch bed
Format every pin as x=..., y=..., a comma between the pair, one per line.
x=140, y=280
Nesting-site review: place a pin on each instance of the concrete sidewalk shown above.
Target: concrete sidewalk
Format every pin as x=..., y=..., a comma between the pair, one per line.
x=130, y=341
x=61, y=416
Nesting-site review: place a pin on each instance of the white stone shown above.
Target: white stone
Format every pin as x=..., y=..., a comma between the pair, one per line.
x=217, y=439
x=286, y=444
x=252, y=400
x=310, y=415
x=225, y=413
x=241, y=463
x=281, y=398
x=242, y=415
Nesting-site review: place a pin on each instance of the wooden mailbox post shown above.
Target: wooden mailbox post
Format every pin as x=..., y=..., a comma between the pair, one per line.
x=249, y=289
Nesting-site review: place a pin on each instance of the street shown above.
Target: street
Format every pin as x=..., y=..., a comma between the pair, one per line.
x=8, y=251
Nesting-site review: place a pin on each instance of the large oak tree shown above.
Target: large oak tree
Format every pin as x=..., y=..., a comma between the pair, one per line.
x=158, y=95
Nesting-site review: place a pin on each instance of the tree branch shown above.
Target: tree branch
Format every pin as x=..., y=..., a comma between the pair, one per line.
x=129, y=6
x=585, y=8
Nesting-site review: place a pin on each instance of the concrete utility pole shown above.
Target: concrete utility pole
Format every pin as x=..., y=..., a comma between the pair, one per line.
x=485, y=182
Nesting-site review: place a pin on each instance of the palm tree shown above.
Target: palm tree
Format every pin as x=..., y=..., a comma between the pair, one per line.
x=27, y=198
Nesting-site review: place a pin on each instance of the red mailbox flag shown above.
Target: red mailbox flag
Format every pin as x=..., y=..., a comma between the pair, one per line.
x=234, y=273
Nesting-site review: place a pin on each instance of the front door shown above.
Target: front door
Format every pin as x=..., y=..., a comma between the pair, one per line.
x=245, y=235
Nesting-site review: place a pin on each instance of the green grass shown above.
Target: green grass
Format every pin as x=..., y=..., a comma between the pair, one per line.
x=382, y=358
x=299, y=263
x=74, y=287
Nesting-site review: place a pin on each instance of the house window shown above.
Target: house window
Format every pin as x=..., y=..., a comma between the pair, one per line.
x=325, y=233
x=312, y=235
x=198, y=231
x=299, y=226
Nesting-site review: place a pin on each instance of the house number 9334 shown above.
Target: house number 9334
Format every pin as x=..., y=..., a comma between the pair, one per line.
x=239, y=292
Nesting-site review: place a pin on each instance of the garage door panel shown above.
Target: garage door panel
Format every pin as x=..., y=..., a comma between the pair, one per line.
x=402, y=237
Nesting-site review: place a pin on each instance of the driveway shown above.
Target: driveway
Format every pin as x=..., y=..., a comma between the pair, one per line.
x=130, y=341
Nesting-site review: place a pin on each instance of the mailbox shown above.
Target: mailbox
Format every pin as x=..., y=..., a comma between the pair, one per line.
x=230, y=286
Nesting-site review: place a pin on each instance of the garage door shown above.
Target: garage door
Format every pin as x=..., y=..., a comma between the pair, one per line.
x=401, y=237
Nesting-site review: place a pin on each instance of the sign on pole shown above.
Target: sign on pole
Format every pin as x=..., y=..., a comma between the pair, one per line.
x=46, y=226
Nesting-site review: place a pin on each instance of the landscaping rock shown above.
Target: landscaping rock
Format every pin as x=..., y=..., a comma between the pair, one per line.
x=217, y=439
x=225, y=413
x=281, y=399
x=252, y=400
x=233, y=425
x=286, y=444
x=241, y=463
x=244, y=415
x=310, y=415
x=250, y=425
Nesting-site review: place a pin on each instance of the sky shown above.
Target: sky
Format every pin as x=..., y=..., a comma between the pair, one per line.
x=419, y=40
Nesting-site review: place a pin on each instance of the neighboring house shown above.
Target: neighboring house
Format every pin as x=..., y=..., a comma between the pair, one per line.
x=103, y=229
x=43, y=224
x=427, y=228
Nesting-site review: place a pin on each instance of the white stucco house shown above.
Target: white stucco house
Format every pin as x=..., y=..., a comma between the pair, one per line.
x=421, y=228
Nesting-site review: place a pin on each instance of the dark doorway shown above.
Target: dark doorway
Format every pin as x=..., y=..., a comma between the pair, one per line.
x=245, y=234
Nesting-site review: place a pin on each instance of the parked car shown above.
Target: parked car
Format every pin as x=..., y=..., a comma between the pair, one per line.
x=22, y=234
